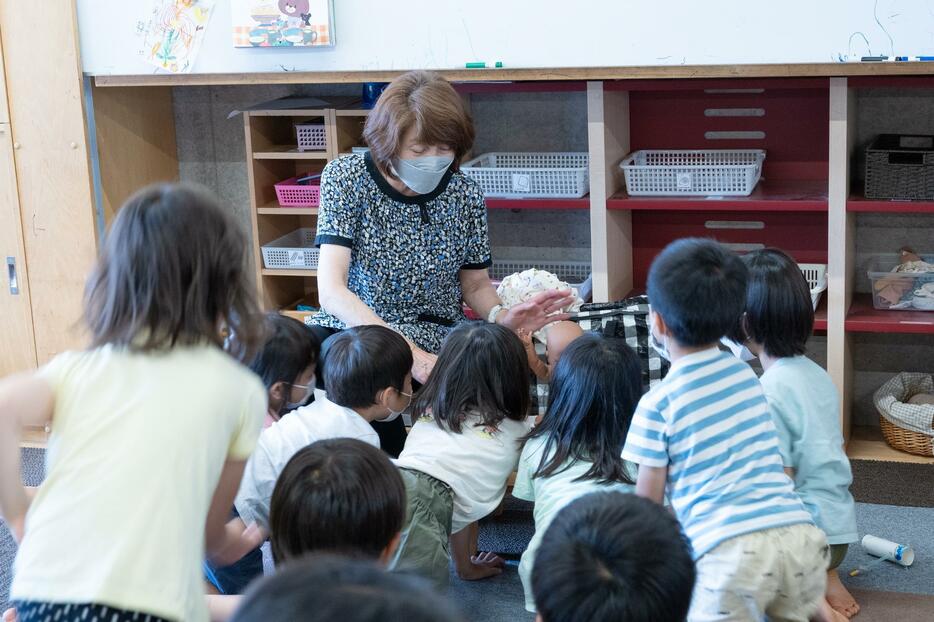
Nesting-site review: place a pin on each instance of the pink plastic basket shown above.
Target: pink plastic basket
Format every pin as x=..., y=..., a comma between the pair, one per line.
x=291, y=194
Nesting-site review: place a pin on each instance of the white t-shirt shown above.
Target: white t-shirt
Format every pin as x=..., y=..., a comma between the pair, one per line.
x=137, y=447
x=320, y=420
x=475, y=463
x=550, y=495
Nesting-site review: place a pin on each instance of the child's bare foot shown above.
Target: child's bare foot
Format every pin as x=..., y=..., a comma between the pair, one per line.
x=482, y=566
x=826, y=613
x=839, y=597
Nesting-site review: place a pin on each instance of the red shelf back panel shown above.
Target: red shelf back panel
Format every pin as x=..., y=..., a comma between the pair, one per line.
x=795, y=123
x=803, y=235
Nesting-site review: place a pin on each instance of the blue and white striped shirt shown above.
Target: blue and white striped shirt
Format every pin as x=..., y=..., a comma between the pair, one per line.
x=709, y=423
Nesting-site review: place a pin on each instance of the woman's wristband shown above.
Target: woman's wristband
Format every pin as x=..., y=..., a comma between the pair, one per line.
x=491, y=317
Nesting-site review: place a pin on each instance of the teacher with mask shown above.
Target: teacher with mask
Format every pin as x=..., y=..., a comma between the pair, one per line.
x=403, y=233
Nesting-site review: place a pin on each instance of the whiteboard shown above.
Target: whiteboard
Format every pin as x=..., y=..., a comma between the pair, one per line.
x=445, y=34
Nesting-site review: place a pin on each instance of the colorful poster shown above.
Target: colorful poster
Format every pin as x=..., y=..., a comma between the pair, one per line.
x=172, y=32
x=282, y=23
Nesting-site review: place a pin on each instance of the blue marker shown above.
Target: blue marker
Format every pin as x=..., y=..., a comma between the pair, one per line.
x=926, y=58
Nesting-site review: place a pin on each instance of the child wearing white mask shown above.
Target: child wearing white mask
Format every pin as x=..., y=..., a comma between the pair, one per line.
x=367, y=377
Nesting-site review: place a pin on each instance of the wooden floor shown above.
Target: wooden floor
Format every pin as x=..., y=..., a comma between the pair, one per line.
x=866, y=443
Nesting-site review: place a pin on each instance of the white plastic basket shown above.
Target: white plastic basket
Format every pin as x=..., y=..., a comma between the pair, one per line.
x=532, y=175
x=293, y=251
x=311, y=136
x=717, y=172
x=816, y=276
x=572, y=272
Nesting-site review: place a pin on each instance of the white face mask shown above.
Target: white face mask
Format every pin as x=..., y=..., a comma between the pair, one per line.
x=309, y=389
x=661, y=348
x=422, y=175
x=393, y=415
x=739, y=350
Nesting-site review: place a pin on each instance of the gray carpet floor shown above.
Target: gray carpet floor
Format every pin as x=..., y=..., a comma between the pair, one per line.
x=501, y=599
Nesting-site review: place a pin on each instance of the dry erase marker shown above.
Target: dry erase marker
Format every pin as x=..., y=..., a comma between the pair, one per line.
x=475, y=65
x=926, y=58
x=902, y=59
x=874, y=59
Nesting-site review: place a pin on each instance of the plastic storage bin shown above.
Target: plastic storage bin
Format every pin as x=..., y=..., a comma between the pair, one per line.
x=816, y=276
x=708, y=172
x=901, y=290
x=311, y=136
x=293, y=251
x=531, y=175
x=291, y=194
x=900, y=167
x=574, y=273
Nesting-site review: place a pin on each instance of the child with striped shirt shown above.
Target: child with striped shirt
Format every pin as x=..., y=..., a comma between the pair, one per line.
x=705, y=434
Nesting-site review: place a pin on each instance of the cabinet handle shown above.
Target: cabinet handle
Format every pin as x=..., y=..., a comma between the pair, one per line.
x=11, y=275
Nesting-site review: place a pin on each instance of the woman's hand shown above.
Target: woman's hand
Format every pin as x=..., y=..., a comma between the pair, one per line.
x=422, y=364
x=537, y=312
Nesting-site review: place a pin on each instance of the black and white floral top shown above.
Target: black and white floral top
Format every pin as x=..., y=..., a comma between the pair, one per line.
x=406, y=252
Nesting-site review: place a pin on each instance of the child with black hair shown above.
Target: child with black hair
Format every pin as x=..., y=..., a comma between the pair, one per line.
x=470, y=419
x=340, y=496
x=151, y=425
x=706, y=434
x=324, y=588
x=286, y=364
x=367, y=377
x=576, y=448
x=613, y=557
x=804, y=403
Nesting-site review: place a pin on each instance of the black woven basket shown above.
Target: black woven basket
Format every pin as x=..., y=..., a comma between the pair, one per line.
x=900, y=166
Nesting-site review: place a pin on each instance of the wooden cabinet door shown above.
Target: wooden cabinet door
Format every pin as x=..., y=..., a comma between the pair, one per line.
x=17, y=342
x=45, y=95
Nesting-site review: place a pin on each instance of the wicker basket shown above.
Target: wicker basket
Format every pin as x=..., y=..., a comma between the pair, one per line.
x=906, y=440
x=900, y=167
x=906, y=427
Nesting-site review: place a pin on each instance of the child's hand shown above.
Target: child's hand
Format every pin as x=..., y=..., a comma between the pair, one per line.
x=484, y=565
x=9, y=615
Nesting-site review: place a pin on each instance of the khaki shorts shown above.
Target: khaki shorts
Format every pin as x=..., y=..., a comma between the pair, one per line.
x=837, y=555
x=423, y=548
x=779, y=573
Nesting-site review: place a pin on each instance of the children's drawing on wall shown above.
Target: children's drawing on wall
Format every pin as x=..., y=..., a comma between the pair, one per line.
x=282, y=23
x=172, y=31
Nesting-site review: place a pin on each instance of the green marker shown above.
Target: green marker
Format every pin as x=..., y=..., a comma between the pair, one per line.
x=499, y=64
x=476, y=65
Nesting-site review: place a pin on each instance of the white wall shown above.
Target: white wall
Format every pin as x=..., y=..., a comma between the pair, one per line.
x=444, y=34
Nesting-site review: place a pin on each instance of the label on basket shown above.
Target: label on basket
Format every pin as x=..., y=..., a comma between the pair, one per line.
x=521, y=182
x=685, y=181
x=297, y=259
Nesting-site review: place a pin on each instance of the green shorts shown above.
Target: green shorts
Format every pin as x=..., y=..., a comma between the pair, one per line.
x=837, y=553
x=423, y=548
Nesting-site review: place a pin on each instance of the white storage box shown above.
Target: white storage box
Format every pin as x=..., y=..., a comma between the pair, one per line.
x=293, y=251
x=574, y=273
x=311, y=136
x=711, y=172
x=816, y=276
x=531, y=175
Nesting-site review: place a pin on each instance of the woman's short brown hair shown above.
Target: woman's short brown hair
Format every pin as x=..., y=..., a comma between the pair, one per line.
x=172, y=271
x=425, y=101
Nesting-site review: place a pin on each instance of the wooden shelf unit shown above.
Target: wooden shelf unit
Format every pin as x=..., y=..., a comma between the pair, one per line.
x=804, y=203
x=272, y=156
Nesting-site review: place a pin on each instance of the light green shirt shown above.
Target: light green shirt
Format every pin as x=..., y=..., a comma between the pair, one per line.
x=550, y=495
x=806, y=411
x=136, y=450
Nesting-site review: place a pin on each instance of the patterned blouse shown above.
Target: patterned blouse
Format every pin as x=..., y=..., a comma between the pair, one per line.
x=406, y=252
